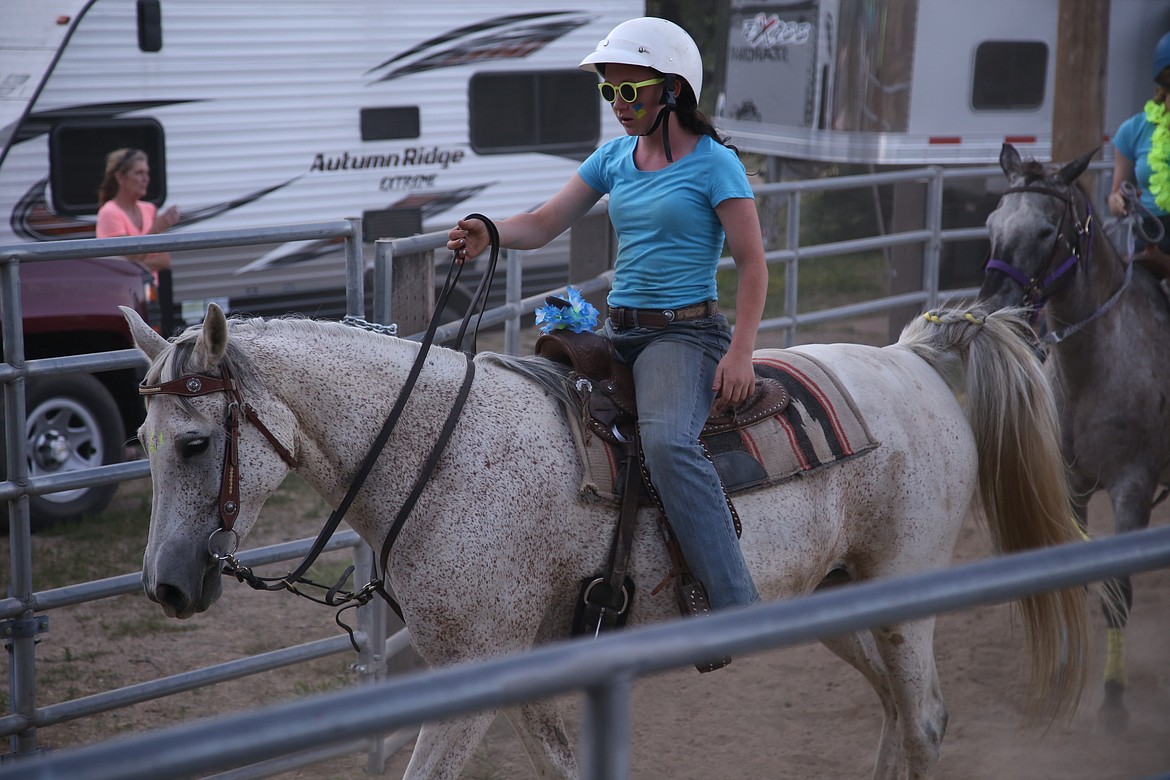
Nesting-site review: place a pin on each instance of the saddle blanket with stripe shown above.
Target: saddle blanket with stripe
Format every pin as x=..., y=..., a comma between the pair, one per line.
x=820, y=426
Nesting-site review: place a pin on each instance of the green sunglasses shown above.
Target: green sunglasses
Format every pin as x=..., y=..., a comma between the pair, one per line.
x=627, y=90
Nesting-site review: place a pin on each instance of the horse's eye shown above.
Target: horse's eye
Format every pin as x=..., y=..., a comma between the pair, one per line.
x=195, y=447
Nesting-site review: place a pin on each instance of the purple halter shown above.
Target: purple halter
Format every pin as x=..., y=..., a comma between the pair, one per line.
x=1038, y=289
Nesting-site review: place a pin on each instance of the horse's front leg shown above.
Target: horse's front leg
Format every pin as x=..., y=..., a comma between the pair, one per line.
x=443, y=748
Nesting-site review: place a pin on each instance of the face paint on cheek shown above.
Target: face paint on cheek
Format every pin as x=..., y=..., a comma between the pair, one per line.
x=639, y=110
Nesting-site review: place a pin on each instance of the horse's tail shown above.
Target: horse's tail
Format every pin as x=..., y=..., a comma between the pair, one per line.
x=991, y=363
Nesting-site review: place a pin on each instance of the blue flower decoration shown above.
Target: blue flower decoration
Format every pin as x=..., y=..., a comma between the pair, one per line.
x=569, y=313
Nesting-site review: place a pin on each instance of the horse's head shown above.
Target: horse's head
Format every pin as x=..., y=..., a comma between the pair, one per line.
x=1037, y=230
x=214, y=436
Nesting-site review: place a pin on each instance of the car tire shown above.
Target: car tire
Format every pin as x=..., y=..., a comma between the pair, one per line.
x=72, y=423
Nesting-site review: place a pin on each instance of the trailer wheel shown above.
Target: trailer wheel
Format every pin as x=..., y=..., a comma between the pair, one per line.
x=73, y=423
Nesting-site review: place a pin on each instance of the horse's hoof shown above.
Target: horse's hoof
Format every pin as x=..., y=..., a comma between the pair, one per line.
x=1113, y=715
x=712, y=665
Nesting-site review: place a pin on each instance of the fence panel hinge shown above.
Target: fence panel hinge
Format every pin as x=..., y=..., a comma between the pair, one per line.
x=19, y=628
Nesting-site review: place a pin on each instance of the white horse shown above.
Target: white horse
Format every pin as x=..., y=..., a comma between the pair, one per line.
x=491, y=558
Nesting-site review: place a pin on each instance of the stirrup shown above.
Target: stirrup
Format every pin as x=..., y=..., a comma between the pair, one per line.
x=692, y=598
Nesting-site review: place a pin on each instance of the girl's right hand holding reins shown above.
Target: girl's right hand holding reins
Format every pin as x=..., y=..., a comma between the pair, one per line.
x=467, y=239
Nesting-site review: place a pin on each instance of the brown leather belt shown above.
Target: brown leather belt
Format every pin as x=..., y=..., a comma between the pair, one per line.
x=659, y=318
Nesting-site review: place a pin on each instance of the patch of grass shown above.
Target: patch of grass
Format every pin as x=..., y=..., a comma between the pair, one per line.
x=147, y=624
x=833, y=281
x=71, y=675
x=825, y=217
x=124, y=640
x=307, y=688
x=53, y=674
x=95, y=547
x=112, y=543
x=324, y=675
x=328, y=572
x=823, y=282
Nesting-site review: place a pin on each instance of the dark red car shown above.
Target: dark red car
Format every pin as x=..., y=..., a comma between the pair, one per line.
x=76, y=421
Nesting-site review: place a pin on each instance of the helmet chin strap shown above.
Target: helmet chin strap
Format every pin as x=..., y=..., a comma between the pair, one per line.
x=668, y=105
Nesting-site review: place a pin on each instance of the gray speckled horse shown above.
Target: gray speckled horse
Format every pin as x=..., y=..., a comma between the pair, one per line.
x=491, y=558
x=1109, y=333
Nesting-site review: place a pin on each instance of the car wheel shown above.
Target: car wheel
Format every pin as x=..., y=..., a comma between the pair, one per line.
x=73, y=423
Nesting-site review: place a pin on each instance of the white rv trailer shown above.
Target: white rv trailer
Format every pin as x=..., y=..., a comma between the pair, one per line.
x=913, y=82
x=254, y=113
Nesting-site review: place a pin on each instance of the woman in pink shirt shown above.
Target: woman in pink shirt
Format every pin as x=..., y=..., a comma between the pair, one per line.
x=122, y=210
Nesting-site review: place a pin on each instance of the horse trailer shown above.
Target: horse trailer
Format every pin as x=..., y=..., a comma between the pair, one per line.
x=409, y=115
x=912, y=82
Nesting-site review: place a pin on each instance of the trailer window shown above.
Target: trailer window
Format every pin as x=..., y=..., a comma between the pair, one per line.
x=391, y=223
x=555, y=112
x=149, y=25
x=77, y=159
x=387, y=124
x=1009, y=75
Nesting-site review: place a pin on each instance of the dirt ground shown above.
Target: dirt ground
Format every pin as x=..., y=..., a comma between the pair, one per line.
x=801, y=713
x=788, y=713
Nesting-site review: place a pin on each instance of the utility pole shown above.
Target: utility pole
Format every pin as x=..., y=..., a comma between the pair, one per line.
x=1082, y=43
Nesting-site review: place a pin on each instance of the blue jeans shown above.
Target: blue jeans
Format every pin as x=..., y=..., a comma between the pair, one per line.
x=673, y=370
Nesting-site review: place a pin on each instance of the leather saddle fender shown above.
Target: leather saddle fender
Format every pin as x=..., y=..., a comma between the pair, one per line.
x=611, y=398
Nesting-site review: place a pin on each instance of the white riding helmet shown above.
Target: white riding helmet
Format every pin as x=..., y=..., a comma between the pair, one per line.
x=653, y=43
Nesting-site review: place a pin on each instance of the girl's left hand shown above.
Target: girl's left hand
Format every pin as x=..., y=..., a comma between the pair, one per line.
x=735, y=380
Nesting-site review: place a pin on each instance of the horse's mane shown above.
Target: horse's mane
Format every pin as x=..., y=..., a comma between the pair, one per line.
x=178, y=359
x=1033, y=171
x=1036, y=172
x=550, y=376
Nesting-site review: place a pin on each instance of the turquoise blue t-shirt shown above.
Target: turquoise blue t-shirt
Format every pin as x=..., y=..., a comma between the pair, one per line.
x=669, y=237
x=1133, y=141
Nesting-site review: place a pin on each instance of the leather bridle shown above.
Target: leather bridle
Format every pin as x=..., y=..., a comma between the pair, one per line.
x=1038, y=289
x=195, y=385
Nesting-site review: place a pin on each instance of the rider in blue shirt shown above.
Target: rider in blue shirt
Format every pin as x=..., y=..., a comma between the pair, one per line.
x=1142, y=146
x=676, y=194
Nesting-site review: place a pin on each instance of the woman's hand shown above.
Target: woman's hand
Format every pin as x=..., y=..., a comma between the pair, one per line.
x=467, y=239
x=1117, y=205
x=157, y=261
x=735, y=380
x=165, y=220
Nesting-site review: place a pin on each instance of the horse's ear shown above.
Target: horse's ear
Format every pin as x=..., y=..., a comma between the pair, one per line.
x=1069, y=173
x=212, y=342
x=145, y=338
x=1009, y=160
